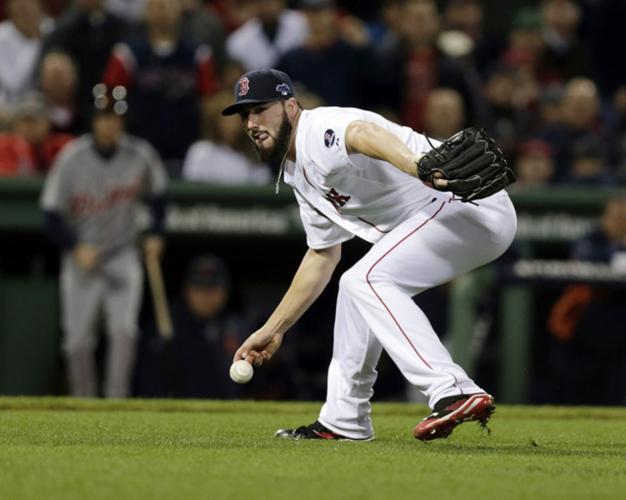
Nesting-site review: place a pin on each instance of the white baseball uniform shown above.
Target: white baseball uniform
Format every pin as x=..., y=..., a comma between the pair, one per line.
x=421, y=238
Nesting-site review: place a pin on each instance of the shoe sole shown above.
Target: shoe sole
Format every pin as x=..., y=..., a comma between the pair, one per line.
x=478, y=407
x=289, y=434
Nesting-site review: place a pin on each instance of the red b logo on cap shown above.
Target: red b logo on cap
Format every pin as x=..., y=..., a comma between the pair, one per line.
x=244, y=86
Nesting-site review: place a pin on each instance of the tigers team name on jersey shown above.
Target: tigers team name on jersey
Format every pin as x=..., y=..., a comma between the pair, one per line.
x=99, y=196
x=85, y=204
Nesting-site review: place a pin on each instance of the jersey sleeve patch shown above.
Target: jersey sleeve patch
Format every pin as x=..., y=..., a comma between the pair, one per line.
x=329, y=138
x=327, y=131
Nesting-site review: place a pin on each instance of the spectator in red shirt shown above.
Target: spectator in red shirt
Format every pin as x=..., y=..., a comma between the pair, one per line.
x=31, y=148
x=167, y=77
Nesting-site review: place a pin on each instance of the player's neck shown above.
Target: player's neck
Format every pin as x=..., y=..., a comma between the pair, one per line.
x=290, y=154
x=291, y=150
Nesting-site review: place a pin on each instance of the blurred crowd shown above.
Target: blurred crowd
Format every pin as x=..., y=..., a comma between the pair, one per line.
x=544, y=83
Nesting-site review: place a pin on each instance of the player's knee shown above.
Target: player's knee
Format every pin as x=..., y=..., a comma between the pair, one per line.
x=381, y=275
x=123, y=330
x=73, y=344
x=352, y=281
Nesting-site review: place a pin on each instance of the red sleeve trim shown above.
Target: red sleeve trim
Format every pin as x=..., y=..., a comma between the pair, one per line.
x=208, y=83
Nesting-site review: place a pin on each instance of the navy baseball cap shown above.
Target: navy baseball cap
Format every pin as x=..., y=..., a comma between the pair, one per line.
x=258, y=86
x=316, y=4
x=207, y=271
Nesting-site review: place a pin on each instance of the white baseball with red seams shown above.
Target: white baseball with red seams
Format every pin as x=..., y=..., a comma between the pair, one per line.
x=241, y=371
x=421, y=238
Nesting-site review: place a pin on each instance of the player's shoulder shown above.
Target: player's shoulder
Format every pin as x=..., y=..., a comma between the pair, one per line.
x=326, y=117
x=327, y=123
x=75, y=148
x=330, y=116
x=5, y=30
x=72, y=156
x=329, y=112
x=137, y=146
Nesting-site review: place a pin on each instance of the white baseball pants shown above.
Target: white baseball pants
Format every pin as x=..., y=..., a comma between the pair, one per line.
x=375, y=309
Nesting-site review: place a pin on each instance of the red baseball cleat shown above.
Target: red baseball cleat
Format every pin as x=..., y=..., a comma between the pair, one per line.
x=452, y=411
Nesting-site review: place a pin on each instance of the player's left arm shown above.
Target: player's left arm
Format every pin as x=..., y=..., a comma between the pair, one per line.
x=153, y=242
x=310, y=280
x=156, y=183
x=374, y=141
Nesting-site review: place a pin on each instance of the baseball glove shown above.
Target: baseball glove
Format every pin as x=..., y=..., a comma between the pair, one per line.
x=471, y=163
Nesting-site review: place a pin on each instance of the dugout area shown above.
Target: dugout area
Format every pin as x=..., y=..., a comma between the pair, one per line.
x=259, y=235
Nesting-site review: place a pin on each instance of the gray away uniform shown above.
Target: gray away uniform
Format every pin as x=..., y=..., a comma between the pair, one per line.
x=97, y=198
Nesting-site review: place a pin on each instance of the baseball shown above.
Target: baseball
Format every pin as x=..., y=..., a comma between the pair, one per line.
x=241, y=371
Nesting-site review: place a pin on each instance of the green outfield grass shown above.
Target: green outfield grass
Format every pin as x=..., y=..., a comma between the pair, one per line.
x=64, y=448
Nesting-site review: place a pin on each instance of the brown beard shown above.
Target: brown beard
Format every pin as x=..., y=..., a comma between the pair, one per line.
x=281, y=144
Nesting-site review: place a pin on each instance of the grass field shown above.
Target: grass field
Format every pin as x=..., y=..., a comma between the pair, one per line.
x=64, y=448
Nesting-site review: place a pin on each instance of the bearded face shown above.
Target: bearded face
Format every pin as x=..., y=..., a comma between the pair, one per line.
x=276, y=151
x=268, y=126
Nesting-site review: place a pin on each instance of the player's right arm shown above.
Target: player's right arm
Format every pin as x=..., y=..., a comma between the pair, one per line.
x=59, y=231
x=54, y=202
x=310, y=279
x=374, y=141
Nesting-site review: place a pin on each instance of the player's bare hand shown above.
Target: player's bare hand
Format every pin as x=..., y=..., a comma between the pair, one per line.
x=438, y=181
x=87, y=256
x=153, y=246
x=259, y=347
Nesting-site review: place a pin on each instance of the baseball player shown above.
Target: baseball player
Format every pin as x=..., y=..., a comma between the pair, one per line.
x=90, y=202
x=354, y=174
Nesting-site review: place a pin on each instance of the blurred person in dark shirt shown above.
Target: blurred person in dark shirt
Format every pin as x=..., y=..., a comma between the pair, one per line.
x=548, y=111
x=534, y=165
x=590, y=165
x=334, y=64
x=588, y=355
x=87, y=32
x=607, y=243
x=414, y=66
x=525, y=41
x=167, y=77
x=467, y=17
x=563, y=55
x=507, y=116
x=204, y=27
x=444, y=114
x=383, y=28
x=579, y=117
x=206, y=335
x=618, y=133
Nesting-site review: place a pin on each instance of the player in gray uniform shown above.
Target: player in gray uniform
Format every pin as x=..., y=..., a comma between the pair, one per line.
x=90, y=201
